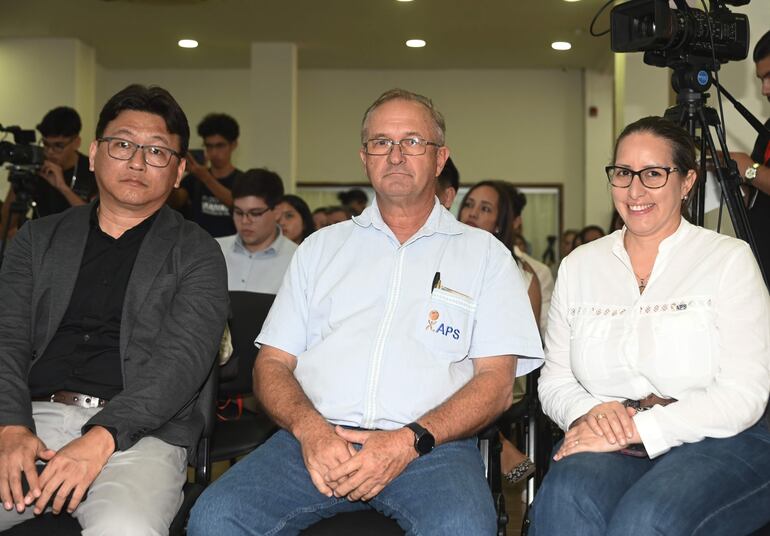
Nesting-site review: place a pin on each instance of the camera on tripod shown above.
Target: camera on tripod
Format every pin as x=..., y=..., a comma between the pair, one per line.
x=671, y=37
x=24, y=159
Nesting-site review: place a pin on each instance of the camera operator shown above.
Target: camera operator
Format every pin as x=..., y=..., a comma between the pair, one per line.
x=66, y=179
x=755, y=167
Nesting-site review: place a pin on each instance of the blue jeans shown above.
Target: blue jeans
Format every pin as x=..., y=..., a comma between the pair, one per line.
x=270, y=492
x=713, y=487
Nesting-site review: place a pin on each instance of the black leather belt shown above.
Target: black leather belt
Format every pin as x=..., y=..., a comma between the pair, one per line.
x=70, y=398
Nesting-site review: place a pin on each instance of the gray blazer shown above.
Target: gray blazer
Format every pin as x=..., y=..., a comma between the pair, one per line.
x=174, y=313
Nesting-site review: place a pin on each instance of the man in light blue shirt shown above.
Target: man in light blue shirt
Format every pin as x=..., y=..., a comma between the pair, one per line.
x=258, y=254
x=395, y=338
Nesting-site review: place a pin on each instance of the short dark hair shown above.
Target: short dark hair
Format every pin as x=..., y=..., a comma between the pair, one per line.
x=449, y=176
x=339, y=208
x=151, y=99
x=353, y=195
x=298, y=204
x=259, y=182
x=762, y=48
x=219, y=124
x=62, y=121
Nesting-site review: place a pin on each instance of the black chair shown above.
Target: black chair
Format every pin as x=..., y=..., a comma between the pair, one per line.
x=372, y=523
x=66, y=525
x=246, y=430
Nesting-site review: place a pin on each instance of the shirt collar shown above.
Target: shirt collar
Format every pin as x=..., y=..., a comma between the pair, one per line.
x=665, y=246
x=440, y=220
x=274, y=247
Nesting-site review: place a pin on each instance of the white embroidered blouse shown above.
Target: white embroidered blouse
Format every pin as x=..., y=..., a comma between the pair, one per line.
x=700, y=333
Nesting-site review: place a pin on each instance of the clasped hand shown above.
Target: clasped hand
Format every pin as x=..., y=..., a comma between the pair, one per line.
x=338, y=469
x=607, y=427
x=70, y=470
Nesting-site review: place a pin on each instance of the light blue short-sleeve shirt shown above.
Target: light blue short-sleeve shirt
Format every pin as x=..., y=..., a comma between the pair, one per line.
x=258, y=271
x=378, y=345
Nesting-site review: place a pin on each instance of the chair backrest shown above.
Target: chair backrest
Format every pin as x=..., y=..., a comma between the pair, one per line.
x=248, y=313
x=206, y=407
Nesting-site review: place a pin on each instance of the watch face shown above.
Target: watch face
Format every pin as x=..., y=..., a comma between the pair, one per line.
x=425, y=443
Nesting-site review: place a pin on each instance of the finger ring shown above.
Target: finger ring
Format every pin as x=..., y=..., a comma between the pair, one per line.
x=575, y=443
x=601, y=416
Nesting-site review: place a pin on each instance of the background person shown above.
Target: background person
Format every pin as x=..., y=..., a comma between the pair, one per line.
x=755, y=168
x=657, y=361
x=65, y=177
x=204, y=195
x=354, y=199
x=258, y=254
x=448, y=184
x=295, y=218
x=488, y=206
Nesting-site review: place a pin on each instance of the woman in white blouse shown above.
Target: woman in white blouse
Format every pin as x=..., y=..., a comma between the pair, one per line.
x=657, y=364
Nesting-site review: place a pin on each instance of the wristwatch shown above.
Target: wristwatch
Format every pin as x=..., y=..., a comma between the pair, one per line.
x=751, y=173
x=423, y=439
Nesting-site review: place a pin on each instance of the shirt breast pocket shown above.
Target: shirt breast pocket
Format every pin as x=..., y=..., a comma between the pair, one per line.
x=448, y=324
x=683, y=347
x=588, y=344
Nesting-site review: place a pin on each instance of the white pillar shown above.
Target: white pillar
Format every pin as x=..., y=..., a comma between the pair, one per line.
x=274, y=109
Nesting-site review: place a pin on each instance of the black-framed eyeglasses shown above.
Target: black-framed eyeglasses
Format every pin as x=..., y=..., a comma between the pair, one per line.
x=651, y=177
x=413, y=146
x=252, y=214
x=56, y=146
x=154, y=155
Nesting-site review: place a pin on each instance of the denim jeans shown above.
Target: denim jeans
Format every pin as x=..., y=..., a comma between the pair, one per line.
x=713, y=487
x=270, y=492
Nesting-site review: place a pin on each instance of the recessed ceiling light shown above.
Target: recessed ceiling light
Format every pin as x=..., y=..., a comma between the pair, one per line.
x=403, y=0
x=188, y=43
x=416, y=43
x=561, y=45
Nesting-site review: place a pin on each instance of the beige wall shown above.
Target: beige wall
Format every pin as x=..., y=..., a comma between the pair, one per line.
x=199, y=92
x=599, y=139
x=37, y=76
x=524, y=126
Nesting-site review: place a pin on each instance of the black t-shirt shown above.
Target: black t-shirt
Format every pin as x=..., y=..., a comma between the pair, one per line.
x=206, y=209
x=84, y=354
x=759, y=215
x=50, y=201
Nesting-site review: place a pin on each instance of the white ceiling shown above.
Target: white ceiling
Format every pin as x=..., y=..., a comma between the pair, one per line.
x=331, y=34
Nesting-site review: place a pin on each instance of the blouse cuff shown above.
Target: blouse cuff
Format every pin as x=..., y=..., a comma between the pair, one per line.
x=651, y=434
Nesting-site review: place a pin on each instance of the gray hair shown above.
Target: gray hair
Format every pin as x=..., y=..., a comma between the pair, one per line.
x=403, y=94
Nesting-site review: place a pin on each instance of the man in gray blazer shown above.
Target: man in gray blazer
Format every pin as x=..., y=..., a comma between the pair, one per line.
x=110, y=320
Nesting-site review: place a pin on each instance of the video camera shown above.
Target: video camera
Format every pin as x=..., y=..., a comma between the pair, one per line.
x=672, y=37
x=25, y=159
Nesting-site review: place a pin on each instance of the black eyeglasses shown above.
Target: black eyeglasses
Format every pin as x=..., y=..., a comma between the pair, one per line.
x=413, y=146
x=651, y=177
x=252, y=214
x=154, y=155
